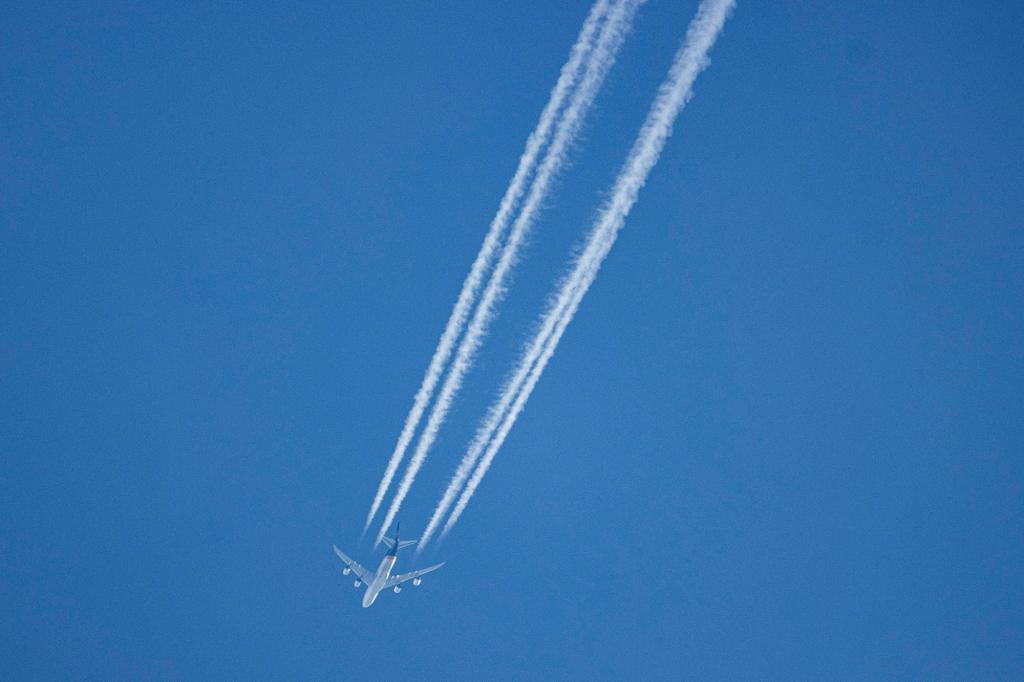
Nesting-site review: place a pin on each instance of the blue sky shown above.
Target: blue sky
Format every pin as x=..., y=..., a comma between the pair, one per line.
x=781, y=439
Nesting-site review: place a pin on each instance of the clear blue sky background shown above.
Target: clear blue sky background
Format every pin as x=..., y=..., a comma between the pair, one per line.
x=781, y=440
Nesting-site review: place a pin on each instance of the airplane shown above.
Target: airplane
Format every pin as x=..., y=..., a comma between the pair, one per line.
x=382, y=579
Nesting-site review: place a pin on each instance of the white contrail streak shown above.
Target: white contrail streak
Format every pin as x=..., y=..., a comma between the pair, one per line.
x=470, y=288
x=674, y=93
x=610, y=39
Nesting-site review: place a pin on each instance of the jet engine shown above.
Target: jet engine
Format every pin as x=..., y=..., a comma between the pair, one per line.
x=358, y=583
x=397, y=589
x=417, y=581
x=346, y=570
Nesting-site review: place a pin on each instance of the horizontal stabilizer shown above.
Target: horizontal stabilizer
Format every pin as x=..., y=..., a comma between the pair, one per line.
x=401, y=545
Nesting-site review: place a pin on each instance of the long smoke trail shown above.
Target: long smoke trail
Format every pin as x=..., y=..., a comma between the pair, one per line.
x=674, y=93
x=568, y=77
x=610, y=39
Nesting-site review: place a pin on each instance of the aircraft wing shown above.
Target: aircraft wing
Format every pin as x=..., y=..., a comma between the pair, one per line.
x=402, y=577
x=360, y=572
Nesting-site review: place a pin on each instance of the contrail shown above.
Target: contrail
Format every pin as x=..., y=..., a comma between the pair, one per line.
x=673, y=94
x=610, y=39
x=470, y=288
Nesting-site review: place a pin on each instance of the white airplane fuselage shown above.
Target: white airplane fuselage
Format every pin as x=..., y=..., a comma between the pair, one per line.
x=380, y=579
